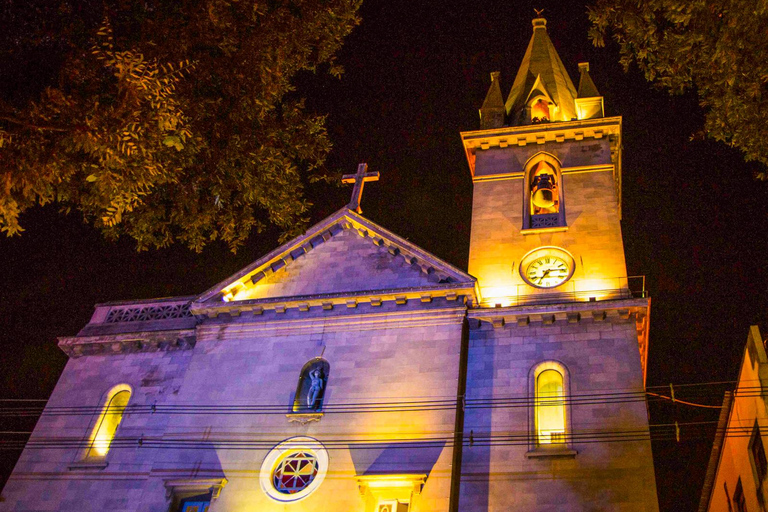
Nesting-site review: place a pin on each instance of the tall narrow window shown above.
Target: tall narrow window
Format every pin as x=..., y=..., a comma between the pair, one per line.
x=550, y=408
x=109, y=420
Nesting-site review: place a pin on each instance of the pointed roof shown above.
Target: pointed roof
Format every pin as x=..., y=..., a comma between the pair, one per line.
x=492, y=111
x=542, y=63
x=587, y=88
x=493, y=99
x=345, y=255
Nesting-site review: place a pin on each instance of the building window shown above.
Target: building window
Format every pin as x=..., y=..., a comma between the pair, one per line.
x=757, y=456
x=295, y=472
x=106, y=426
x=550, y=414
x=739, y=502
x=195, y=503
x=550, y=408
x=544, y=200
x=294, y=469
x=310, y=390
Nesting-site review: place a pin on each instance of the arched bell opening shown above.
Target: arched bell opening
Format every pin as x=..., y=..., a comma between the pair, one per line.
x=540, y=110
x=543, y=199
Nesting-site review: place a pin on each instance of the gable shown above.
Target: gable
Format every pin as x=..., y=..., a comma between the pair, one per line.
x=342, y=255
x=348, y=262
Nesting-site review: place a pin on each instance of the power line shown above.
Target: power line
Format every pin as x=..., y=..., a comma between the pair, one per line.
x=362, y=407
x=657, y=432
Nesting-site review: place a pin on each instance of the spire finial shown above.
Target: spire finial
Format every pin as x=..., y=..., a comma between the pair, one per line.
x=538, y=12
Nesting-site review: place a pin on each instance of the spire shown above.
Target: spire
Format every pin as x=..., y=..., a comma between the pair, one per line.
x=589, y=102
x=492, y=111
x=587, y=87
x=541, y=74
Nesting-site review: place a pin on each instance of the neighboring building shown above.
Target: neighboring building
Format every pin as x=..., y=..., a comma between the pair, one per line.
x=736, y=476
x=350, y=370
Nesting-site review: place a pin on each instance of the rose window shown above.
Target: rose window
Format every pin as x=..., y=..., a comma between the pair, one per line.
x=295, y=472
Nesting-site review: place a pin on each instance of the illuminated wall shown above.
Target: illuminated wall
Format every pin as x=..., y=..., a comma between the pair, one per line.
x=592, y=233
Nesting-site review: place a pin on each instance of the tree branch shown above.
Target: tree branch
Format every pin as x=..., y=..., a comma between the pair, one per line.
x=34, y=126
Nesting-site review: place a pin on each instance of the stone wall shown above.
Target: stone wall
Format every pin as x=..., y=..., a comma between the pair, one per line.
x=600, y=357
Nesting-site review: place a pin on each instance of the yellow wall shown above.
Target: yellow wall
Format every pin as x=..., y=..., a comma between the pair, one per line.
x=593, y=234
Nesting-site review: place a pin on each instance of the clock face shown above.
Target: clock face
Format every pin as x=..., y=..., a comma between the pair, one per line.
x=547, y=267
x=547, y=271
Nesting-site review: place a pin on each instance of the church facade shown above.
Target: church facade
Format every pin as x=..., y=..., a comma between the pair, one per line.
x=351, y=370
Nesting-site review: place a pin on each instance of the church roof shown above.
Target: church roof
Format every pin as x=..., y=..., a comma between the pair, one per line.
x=345, y=255
x=542, y=68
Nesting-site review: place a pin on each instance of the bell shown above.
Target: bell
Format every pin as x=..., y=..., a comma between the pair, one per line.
x=543, y=197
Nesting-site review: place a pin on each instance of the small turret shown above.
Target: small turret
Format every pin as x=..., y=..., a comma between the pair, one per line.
x=589, y=102
x=492, y=112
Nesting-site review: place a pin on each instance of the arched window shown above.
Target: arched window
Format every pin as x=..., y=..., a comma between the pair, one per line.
x=544, y=199
x=550, y=408
x=310, y=390
x=108, y=421
x=550, y=414
x=539, y=110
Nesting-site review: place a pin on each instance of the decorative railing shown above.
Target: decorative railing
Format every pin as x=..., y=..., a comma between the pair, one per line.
x=146, y=313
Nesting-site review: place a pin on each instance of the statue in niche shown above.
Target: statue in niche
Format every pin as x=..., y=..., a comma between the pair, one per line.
x=311, y=387
x=315, y=387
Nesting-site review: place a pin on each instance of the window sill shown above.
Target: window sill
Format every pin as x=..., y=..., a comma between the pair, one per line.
x=304, y=417
x=95, y=465
x=533, y=231
x=551, y=451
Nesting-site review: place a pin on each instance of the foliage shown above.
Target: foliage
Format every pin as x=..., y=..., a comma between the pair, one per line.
x=169, y=121
x=715, y=47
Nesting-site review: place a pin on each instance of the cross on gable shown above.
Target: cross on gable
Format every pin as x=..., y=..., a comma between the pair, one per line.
x=359, y=180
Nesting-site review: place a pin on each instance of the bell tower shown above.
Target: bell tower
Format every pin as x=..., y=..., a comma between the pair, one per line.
x=547, y=174
x=559, y=327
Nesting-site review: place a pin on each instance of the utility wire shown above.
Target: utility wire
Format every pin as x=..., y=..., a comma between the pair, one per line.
x=395, y=406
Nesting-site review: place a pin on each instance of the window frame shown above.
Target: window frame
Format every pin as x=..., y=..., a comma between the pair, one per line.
x=107, y=397
x=537, y=449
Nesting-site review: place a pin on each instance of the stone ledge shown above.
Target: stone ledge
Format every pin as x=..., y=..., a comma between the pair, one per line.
x=157, y=341
x=461, y=292
x=553, y=452
x=570, y=312
x=88, y=465
x=304, y=417
x=187, y=485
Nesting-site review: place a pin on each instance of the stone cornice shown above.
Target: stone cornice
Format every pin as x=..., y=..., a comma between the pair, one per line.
x=278, y=324
x=571, y=312
x=154, y=341
x=464, y=292
x=538, y=134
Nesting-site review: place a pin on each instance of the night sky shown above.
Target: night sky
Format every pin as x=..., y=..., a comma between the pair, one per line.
x=694, y=220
